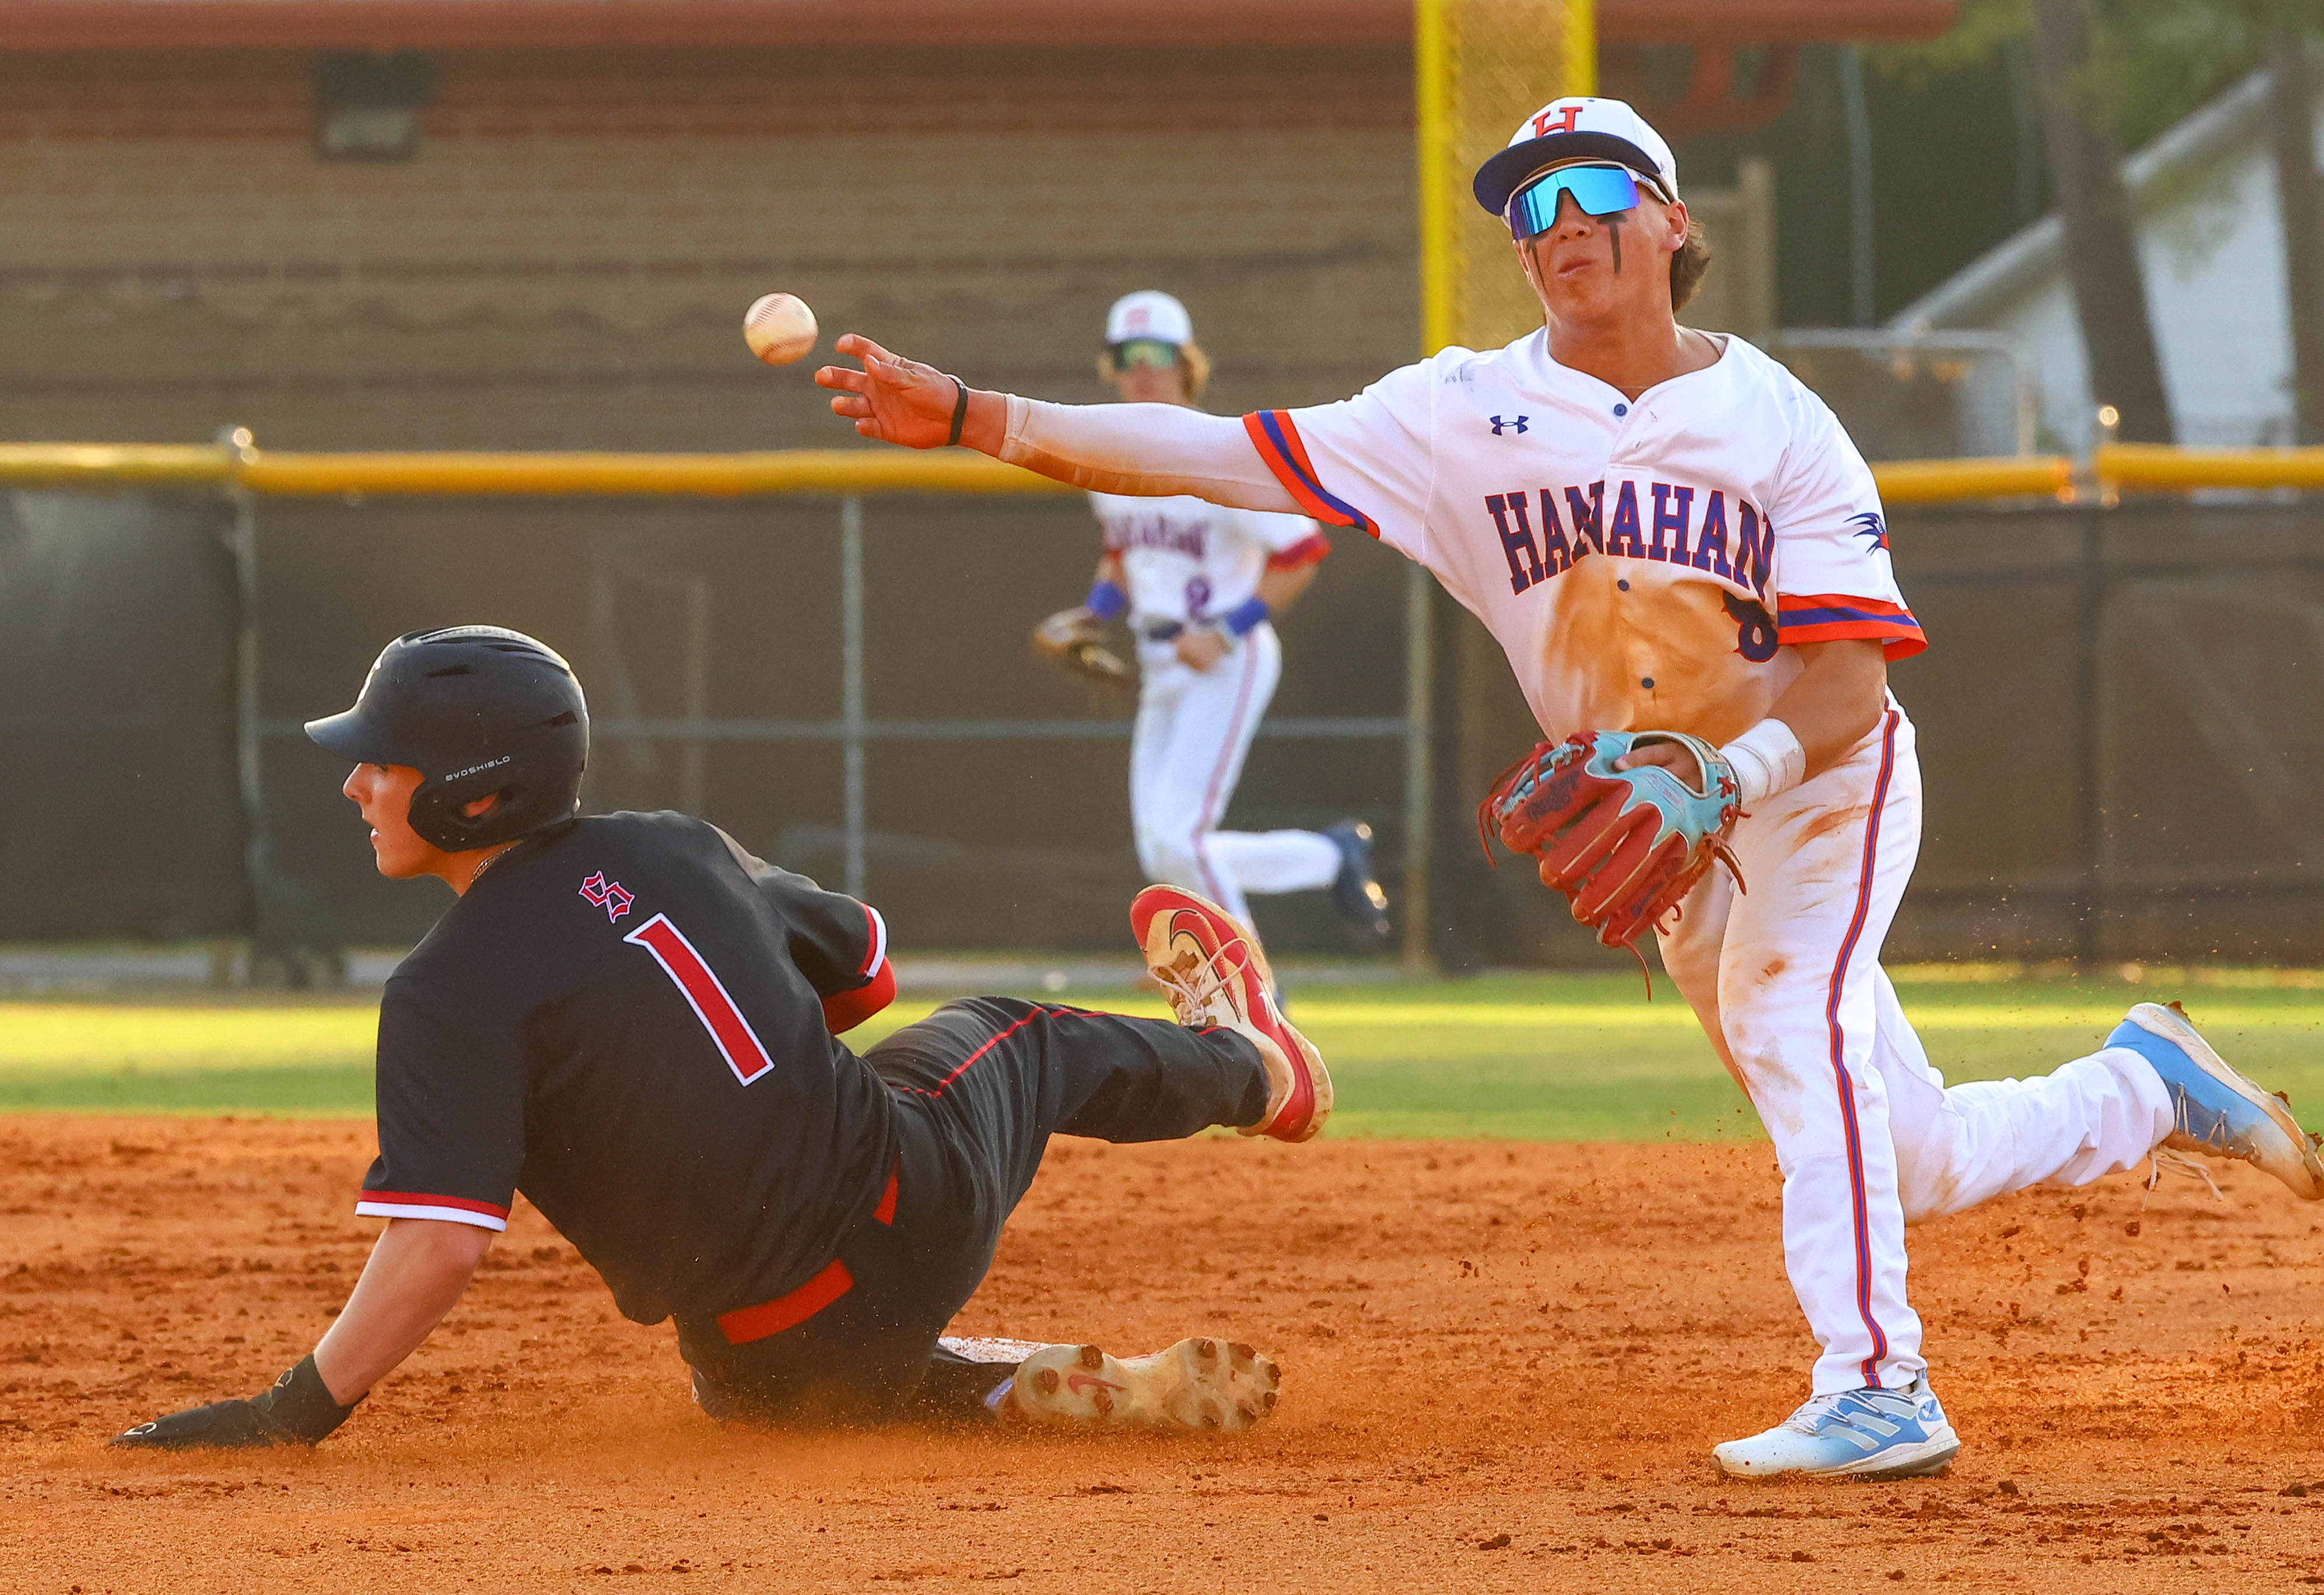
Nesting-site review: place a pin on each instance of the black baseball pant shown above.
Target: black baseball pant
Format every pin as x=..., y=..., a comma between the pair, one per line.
x=980, y=1087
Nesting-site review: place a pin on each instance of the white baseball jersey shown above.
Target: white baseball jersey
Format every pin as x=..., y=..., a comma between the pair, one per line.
x=1643, y=564
x=1186, y=561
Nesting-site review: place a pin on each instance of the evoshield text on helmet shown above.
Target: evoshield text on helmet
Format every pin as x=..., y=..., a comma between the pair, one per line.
x=481, y=711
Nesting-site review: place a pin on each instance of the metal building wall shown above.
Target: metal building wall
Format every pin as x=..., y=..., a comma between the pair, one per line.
x=566, y=262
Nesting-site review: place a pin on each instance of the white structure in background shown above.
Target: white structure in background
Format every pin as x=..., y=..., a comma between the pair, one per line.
x=1924, y=393
x=2212, y=242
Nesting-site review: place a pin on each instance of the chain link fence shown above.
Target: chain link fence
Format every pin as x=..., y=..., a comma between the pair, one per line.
x=2121, y=715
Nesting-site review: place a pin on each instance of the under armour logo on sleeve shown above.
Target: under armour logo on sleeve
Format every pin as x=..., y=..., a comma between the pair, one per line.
x=1516, y=425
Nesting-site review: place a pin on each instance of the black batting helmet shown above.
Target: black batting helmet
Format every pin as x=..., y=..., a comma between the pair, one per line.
x=482, y=712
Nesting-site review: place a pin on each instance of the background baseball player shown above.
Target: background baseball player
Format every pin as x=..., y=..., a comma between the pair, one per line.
x=1681, y=539
x=1200, y=586
x=633, y=1021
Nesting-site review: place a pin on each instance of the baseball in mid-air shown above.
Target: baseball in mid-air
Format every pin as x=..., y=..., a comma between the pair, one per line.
x=779, y=327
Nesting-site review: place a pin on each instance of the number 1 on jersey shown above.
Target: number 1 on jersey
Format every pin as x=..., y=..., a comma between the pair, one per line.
x=706, y=994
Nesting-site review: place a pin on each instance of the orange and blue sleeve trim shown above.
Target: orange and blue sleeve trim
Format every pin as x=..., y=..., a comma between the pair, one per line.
x=1278, y=444
x=1307, y=551
x=1826, y=617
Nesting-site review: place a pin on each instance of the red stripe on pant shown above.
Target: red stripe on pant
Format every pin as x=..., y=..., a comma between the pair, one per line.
x=1857, y=1200
x=795, y=1307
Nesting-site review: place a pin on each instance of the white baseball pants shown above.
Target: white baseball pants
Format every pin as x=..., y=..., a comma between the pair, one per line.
x=1185, y=755
x=1785, y=977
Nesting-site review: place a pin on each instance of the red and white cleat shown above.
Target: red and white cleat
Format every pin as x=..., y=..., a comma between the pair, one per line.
x=1215, y=976
x=1195, y=1386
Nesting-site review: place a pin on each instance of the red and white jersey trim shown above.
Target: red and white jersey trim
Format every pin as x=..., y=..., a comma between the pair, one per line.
x=878, y=953
x=456, y=1210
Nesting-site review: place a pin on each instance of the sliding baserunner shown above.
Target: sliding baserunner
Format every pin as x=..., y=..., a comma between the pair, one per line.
x=1671, y=537
x=634, y=1023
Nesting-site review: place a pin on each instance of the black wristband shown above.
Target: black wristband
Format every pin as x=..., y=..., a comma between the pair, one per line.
x=959, y=413
x=301, y=1403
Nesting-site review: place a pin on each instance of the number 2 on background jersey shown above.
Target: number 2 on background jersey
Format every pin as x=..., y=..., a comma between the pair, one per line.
x=1198, y=597
x=737, y=1043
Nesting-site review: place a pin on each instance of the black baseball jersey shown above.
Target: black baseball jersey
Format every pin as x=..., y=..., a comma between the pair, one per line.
x=623, y=1019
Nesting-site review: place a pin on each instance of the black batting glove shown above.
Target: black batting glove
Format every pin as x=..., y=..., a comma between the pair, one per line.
x=297, y=1410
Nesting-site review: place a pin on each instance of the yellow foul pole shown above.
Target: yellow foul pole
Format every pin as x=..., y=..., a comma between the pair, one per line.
x=1581, y=46
x=1431, y=63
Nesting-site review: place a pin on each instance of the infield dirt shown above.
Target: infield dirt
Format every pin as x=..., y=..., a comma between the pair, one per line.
x=1504, y=1367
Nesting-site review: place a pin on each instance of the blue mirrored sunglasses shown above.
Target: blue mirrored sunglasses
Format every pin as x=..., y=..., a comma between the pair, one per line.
x=1145, y=350
x=1599, y=190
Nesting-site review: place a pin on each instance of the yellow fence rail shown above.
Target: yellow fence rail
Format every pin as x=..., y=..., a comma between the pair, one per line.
x=2149, y=467
x=110, y=464
x=844, y=471
x=1938, y=482
x=2116, y=468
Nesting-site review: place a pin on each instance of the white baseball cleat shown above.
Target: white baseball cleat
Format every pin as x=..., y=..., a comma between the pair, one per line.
x=1867, y=1435
x=1197, y=1385
x=1216, y=976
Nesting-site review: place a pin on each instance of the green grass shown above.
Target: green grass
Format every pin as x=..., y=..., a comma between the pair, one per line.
x=1540, y=1057
x=155, y=1057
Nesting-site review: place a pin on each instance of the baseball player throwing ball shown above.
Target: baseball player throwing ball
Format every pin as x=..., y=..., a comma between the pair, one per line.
x=1685, y=559
x=1200, y=586
x=634, y=1023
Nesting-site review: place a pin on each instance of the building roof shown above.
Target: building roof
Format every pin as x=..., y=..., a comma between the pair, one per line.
x=2037, y=255
x=456, y=24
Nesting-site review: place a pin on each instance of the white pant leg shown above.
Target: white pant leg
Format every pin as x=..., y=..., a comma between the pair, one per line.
x=1956, y=1146
x=1785, y=978
x=1217, y=714
x=1949, y=1148
x=1275, y=860
x=1160, y=687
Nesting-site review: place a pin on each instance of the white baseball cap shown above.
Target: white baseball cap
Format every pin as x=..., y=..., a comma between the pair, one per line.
x=1576, y=128
x=1149, y=313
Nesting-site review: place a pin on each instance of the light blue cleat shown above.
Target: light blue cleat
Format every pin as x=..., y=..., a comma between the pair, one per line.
x=2218, y=1112
x=1869, y=1433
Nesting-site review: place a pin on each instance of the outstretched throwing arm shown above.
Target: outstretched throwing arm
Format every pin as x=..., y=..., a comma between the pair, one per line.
x=1150, y=450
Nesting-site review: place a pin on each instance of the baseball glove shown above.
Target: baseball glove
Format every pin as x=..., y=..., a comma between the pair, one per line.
x=1075, y=638
x=1624, y=845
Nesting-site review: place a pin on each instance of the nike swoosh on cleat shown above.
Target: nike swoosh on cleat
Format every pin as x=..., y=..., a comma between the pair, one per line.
x=1082, y=1384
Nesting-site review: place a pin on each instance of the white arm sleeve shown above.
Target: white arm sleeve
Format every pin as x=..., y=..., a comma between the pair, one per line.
x=1144, y=450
